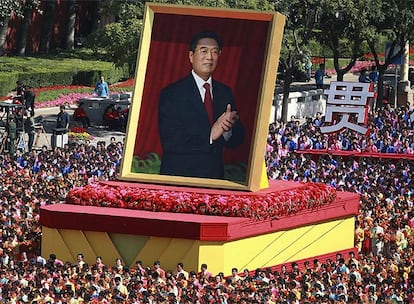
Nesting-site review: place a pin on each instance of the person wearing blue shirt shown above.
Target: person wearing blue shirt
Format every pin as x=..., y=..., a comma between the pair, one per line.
x=373, y=74
x=62, y=121
x=318, y=120
x=363, y=76
x=290, y=143
x=319, y=75
x=101, y=88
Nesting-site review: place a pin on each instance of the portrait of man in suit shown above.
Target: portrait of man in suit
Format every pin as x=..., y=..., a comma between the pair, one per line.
x=198, y=116
x=179, y=135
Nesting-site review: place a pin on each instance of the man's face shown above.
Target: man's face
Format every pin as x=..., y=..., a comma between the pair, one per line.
x=205, y=57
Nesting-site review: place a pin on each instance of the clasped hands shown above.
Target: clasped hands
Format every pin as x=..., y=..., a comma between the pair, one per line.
x=224, y=123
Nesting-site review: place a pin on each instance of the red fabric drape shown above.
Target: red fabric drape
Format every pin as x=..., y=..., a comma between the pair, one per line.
x=356, y=154
x=240, y=67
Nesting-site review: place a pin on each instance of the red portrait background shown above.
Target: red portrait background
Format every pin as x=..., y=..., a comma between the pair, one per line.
x=240, y=66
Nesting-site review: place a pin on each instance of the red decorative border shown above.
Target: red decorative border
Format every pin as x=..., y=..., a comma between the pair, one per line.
x=262, y=205
x=188, y=226
x=356, y=154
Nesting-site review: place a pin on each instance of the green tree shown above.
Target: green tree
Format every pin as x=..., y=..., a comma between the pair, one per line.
x=24, y=9
x=120, y=38
x=47, y=26
x=23, y=31
x=394, y=20
x=340, y=25
x=7, y=7
x=69, y=37
x=301, y=16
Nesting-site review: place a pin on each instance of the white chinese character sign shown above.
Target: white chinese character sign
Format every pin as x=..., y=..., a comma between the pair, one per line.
x=348, y=103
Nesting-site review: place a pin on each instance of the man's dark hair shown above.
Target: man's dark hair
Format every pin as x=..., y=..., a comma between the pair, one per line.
x=205, y=34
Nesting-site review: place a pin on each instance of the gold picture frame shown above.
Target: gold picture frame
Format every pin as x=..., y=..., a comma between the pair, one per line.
x=166, y=26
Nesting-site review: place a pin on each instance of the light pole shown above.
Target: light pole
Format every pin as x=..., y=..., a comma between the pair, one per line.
x=404, y=90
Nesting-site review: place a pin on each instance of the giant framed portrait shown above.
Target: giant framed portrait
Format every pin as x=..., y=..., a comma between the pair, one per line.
x=248, y=65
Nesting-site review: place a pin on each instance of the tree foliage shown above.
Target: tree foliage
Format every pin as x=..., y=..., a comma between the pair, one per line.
x=120, y=38
x=344, y=28
x=339, y=28
x=21, y=9
x=394, y=20
x=7, y=7
x=301, y=17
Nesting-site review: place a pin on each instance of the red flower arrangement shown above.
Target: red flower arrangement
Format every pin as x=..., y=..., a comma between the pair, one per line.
x=269, y=206
x=59, y=87
x=78, y=130
x=127, y=83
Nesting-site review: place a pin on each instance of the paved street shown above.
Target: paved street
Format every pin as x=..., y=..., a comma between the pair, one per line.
x=49, y=115
x=306, y=86
x=101, y=133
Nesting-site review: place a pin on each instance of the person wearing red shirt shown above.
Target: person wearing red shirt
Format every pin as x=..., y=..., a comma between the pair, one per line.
x=112, y=118
x=80, y=115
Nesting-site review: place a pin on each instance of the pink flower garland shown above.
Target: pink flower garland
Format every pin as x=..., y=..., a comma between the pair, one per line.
x=65, y=99
x=273, y=205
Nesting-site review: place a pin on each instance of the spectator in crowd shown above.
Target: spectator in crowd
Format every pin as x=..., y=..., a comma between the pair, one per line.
x=81, y=116
x=320, y=75
x=29, y=100
x=11, y=132
x=123, y=117
x=318, y=121
x=363, y=76
x=373, y=74
x=411, y=76
x=29, y=129
x=18, y=97
x=308, y=66
x=180, y=271
x=101, y=88
x=375, y=274
x=204, y=273
x=112, y=118
x=62, y=121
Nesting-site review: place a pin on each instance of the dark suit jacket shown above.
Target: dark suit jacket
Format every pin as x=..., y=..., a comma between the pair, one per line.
x=185, y=130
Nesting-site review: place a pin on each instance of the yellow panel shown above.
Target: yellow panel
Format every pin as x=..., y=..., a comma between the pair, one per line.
x=152, y=250
x=284, y=246
x=327, y=237
x=128, y=246
x=255, y=252
x=52, y=242
x=178, y=251
x=102, y=245
x=78, y=243
x=191, y=257
x=264, y=180
x=252, y=251
x=212, y=254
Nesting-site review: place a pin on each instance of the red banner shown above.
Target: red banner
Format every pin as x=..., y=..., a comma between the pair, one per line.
x=357, y=154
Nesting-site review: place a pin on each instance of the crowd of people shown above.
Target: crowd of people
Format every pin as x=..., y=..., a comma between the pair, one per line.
x=115, y=118
x=381, y=271
x=388, y=131
x=29, y=181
